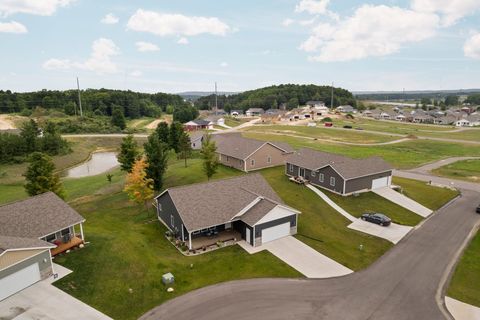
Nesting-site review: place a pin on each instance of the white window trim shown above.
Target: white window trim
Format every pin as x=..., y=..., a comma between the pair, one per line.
x=159, y=206
x=313, y=173
x=172, y=220
x=228, y=159
x=252, y=162
x=321, y=177
x=332, y=181
x=269, y=159
x=290, y=167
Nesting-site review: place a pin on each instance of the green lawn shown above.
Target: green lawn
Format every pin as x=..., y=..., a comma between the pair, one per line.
x=323, y=228
x=431, y=197
x=405, y=155
x=371, y=202
x=468, y=170
x=234, y=122
x=320, y=133
x=465, y=284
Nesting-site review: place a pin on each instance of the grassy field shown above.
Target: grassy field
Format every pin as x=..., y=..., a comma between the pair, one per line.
x=323, y=228
x=468, y=170
x=466, y=278
x=322, y=133
x=409, y=154
x=234, y=122
x=431, y=197
x=370, y=202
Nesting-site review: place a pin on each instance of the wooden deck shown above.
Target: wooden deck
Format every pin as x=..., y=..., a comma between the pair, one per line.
x=205, y=241
x=74, y=242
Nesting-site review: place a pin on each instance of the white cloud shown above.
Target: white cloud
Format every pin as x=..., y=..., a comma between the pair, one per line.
x=57, y=64
x=136, y=73
x=163, y=24
x=182, y=40
x=36, y=7
x=223, y=64
x=287, y=22
x=110, y=18
x=307, y=22
x=99, y=60
x=312, y=6
x=12, y=27
x=371, y=31
x=146, y=46
x=450, y=10
x=471, y=48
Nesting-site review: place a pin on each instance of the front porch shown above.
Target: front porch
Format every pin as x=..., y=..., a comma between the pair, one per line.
x=66, y=239
x=67, y=245
x=207, y=241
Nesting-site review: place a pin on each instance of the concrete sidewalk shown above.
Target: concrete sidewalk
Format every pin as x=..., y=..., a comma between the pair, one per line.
x=403, y=201
x=393, y=233
x=461, y=310
x=301, y=257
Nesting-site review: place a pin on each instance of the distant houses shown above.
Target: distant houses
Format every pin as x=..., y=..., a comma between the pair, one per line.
x=254, y=112
x=198, y=124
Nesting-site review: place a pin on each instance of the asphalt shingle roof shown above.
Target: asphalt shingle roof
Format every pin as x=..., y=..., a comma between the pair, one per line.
x=7, y=243
x=37, y=216
x=347, y=167
x=212, y=203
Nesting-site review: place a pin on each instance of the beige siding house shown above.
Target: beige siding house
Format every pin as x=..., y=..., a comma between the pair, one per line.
x=249, y=154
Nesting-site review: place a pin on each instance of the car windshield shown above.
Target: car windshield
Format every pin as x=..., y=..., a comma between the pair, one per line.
x=381, y=216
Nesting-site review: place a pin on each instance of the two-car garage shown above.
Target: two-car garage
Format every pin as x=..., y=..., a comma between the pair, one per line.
x=278, y=223
x=276, y=232
x=19, y=280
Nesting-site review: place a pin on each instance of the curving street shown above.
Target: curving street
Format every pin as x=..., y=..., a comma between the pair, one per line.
x=406, y=283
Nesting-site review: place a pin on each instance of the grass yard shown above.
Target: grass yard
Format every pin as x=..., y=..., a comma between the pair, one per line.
x=323, y=228
x=320, y=133
x=431, y=197
x=234, y=122
x=468, y=170
x=405, y=155
x=464, y=285
x=371, y=202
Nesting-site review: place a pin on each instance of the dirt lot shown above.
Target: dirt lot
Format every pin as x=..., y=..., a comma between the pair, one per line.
x=6, y=122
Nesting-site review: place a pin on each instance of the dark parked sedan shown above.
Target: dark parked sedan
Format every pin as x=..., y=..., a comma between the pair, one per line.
x=377, y=218
x=478, y=209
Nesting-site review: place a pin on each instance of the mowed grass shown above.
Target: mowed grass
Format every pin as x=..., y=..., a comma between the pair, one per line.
x=464, y=285
x=468, y=170
x=404, y=155
x=371, y=202
x=234, y=122
x=323, y=228
x=320, y=132
x=431, y=197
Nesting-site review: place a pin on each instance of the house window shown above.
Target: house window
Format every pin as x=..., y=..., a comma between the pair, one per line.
x=252, y=162
x=332, y=181
x=65, y=231
x=321, y=176
x=159, y=207
x=313, y=173
x=196, y=232
x=269, y=159
x=228, y=159
x=290, y=167
x=219, y=157
x=172, y=220
x=51, y=237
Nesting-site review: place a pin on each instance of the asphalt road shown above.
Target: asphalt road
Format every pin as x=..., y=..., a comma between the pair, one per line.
x=406, y=283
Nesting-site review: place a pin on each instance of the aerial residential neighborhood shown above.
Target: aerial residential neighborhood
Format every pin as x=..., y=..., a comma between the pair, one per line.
x=298, y=159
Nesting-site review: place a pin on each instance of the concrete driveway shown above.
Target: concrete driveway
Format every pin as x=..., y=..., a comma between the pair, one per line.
x=301, y=257
x=43, y=301
x=403, y=201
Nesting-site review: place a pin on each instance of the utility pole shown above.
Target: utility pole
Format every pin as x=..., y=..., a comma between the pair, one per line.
x=216, y=99
x=79, y=98
x=331, y=102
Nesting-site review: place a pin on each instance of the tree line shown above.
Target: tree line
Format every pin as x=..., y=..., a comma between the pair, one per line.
x=289, y=95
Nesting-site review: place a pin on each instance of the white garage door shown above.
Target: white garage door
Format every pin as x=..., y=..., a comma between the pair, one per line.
x=380, y=183
x=276, y=232
x=19, y=280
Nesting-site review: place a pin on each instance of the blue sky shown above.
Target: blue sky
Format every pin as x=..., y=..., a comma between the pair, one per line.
x=174, y=46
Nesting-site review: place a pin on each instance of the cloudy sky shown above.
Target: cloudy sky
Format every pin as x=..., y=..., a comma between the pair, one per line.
x=186, y=45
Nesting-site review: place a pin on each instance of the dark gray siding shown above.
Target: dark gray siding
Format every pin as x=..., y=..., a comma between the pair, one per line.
x=240, y=226
x=258, y=228
x=328, y=172
x=166, y=209
x=43, y=260
x=359, y=184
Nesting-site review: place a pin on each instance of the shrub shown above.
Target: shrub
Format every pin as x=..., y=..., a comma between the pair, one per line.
x=327, y=119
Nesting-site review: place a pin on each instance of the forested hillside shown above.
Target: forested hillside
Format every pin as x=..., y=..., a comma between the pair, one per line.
x=291, y=95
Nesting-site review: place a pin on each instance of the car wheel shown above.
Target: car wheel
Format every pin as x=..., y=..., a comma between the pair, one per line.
x=363, y=218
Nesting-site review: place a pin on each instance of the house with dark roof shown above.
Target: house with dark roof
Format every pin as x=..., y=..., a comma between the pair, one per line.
x=247, y=154
x=31, y=232
x=240, y=208
x=339, y=174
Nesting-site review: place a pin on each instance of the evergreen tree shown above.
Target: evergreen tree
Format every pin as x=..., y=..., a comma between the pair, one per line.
x=30, y=132
x=118, y=119
x=128, y=153
x=52, y=142
x=156, y=154
x=176, y=131
x=184, y=146
x=163, y=132
x=210, y=163
x=40, y=176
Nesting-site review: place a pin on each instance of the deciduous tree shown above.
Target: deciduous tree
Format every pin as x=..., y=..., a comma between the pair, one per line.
x=163, y=132
x=210, y=163
x=184, y=147
x=138, y=186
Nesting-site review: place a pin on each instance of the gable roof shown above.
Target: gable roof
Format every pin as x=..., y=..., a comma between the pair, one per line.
x=37, y=216
x=212, y=203
x=12, y=243
x=196, y=135
x=348, y=168
x=236, y=146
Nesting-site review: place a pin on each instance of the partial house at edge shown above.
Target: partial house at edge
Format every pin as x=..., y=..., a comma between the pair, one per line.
x=339, y=174
x=31, y=232
x=247, y=154
x=246, y=206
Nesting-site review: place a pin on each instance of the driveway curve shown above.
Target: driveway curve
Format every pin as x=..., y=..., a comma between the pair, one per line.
x=404, y=284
